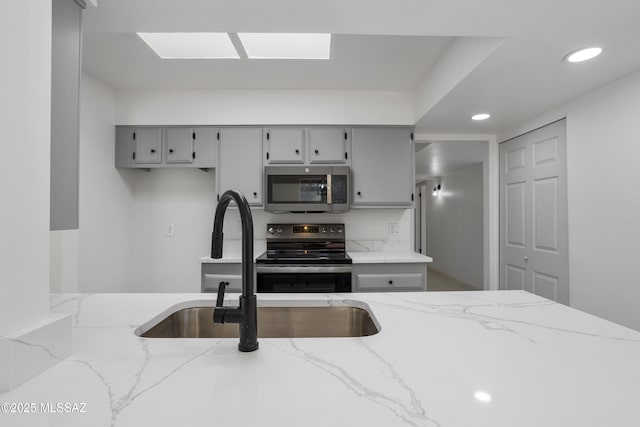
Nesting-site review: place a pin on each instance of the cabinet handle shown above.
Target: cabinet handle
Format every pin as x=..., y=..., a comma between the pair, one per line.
x=345, y=136
x=193, y=135
x=317, y=152
x=359, y=193
x=153, y=151
x=255, y=194
x=297, y=151
x=193, y=155
x=170, y=150
x=134, y=136
x=391, y=282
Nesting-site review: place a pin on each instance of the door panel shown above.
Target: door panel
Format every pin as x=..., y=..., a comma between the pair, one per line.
x=533, y=213
x=545, y=152
x=545, y=213
x=514, y=277
x=515, y=159
x=515, y=214
x=546, y=286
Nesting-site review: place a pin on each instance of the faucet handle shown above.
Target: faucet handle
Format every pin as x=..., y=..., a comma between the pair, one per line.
x=221, y=288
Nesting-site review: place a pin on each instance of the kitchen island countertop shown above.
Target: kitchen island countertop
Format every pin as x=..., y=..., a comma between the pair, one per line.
x=541, y=363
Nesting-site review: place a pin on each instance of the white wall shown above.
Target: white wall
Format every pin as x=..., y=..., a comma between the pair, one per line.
x=107, y=202
x=251, y=107
x=185, y=198
x=63, y=261
x=455, y=238
x=26, y=327
x=603, y=148
x=25, y=114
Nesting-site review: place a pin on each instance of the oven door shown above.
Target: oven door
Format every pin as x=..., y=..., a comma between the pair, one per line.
x=303, y=278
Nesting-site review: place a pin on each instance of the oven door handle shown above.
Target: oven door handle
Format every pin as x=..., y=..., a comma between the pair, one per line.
x=270, y=269
x=329, y=191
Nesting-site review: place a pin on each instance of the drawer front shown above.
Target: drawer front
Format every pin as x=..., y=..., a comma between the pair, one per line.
x=389, y=281
x=211, y=282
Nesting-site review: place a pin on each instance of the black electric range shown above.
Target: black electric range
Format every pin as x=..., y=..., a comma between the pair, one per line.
x=304, y=258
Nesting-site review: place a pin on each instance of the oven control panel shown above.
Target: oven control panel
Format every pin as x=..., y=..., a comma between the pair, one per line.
x=305, y=231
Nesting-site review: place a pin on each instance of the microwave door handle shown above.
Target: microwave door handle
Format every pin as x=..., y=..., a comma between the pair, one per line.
x=329, y=191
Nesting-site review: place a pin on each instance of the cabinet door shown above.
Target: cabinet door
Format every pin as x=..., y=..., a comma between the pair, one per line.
x=179, y=145
x=147, y=143
x=284, y=145
x=328, y=145
x=382, y=167
x=124, y=147
x=240, y=166
x=205, y=147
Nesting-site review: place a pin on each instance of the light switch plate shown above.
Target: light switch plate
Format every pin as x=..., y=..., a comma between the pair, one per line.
x=171, y=231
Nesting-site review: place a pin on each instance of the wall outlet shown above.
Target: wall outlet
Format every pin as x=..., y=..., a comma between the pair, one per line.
x=171, y=231
x=394, y=229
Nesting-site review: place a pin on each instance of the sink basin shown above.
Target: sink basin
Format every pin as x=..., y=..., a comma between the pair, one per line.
x=292, y=321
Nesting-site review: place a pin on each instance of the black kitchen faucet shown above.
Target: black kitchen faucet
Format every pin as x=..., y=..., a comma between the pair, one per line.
x=245, y=314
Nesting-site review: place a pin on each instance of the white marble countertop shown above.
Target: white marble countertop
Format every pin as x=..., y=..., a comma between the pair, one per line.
x=542, y=363
x=374, y=257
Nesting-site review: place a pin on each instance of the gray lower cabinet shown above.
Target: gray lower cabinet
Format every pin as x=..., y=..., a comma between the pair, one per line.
x=382, y=168
x=240, y=165
x=157, y=147
x=214, y=273
x=389, y=277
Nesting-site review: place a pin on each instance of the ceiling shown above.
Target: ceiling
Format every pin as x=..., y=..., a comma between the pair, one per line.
x=404, y=45
x=438, y=159
x=358, y=62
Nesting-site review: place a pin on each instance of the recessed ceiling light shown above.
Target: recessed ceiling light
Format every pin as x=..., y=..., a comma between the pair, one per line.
x=481, y=116
x=286, y=45
x=482, y=396
x=583, y=54
x=190, y=45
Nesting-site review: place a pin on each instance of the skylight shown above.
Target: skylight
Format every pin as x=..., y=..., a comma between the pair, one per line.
x=190, y=45
x=286, y=45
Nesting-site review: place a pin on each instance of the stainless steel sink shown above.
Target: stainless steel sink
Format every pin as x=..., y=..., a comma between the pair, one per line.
x=273, y=322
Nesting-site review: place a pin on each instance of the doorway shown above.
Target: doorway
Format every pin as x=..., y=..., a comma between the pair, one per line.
x=450, y=216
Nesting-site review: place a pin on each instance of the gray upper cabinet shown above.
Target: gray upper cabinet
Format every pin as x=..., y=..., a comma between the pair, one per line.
x=205, y=147
x=328, y=145
x=179, y=146
x=147, y=145
x=284, y=145
x=240, y=165
x=382, y=167
x=155, y=147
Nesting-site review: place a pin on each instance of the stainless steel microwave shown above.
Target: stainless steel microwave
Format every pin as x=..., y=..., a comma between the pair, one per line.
x=307, y=188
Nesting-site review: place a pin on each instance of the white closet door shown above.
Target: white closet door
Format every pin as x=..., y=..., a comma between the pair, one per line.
x=534, y=253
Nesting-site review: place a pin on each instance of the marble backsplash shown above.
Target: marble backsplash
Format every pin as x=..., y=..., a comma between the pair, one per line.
x=378, y=245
